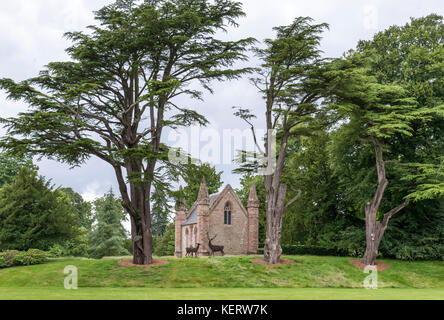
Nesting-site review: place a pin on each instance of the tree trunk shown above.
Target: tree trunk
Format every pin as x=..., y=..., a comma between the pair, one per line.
x=275, y=194
x=372, y=236
x=275, y=211
x=375, y=229
x=138, y=207
x=141, y=231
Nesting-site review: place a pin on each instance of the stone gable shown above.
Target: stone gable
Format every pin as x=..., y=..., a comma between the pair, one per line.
x=209, y=215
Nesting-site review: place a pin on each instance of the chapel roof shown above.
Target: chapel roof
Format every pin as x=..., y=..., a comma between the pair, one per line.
x=214, y=199
x=192, y=217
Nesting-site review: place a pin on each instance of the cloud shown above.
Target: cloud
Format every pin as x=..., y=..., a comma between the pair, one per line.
x=91, y=191
x=31, y=35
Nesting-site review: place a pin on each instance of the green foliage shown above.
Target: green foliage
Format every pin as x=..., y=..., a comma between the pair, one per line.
x=246, y=181
x=224, y=272
x=108, y=235
x=343, y=239
x=75, y=248
x=413, y=56
x=168, y=44
x=10, y=167
x=33, y=215
x=290, y=80
x=308, y=169
x=128, y=70
x=7, y=258
x=81, y=208
x=57, y=251
x=428, y=179
x=31, y=257
x=160, y=210
x=379, y=110
x=129, y=245
x=16, y=258
x=164, y=246
x=306, y=250
x=193, y=175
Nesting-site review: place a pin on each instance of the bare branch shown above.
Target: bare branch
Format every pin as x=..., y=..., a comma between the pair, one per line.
x=293, y=200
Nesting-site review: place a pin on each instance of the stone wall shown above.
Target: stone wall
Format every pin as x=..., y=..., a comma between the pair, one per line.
x=233, y=237
x=239, y=237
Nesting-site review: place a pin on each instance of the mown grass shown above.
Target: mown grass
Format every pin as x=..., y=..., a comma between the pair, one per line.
x=219, y=294
x=224, y=272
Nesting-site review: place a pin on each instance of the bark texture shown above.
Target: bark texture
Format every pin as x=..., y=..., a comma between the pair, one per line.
x=375, y=229
x=276, y=193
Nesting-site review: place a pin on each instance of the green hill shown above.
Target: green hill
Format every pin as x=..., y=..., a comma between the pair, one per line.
x=216, y=278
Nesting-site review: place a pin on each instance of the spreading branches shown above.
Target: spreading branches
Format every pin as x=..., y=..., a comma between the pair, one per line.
x=114, y=98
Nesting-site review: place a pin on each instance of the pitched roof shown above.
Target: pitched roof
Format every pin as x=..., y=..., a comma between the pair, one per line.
x=192, y=218
x=214, y=199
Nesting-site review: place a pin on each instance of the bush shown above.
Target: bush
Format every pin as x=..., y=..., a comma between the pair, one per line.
x=8, y=258
x=17, y=258
x=3, y=263
x=31, y=257
x=56, y=251
x=347, y=242
x=69, y=249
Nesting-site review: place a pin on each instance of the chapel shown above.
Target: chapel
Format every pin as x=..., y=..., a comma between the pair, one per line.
x=222, y=216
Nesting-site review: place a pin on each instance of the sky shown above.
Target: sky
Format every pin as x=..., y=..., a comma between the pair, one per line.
x=31, y=35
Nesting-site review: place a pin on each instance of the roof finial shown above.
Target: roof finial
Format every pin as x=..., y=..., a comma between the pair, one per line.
x=181, y=203
x=253, y=194
x=203, y=191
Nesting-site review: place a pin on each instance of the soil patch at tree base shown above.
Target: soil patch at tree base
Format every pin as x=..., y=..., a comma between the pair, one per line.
x=264, y=263
x=129, y=263
x=380, y=266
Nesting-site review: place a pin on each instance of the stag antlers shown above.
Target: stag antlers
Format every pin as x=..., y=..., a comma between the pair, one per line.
x=214, y=248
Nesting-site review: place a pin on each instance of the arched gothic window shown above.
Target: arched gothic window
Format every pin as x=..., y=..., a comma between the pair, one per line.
x=187, y=237
x=227, y=214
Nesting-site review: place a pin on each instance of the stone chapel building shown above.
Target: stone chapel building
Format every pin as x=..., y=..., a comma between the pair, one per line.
x=221, y=215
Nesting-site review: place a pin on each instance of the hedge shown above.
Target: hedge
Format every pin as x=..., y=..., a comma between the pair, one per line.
x=14, y=258
x=308, y=250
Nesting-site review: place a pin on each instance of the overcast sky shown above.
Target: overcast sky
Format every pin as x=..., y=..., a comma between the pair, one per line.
x=31, y=35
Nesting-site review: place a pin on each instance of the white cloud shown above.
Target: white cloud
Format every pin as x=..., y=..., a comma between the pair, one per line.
x=31, y=35
x=92, y=191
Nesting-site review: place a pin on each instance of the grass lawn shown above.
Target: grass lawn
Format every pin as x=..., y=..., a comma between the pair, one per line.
x=224, y=278
x=219, y=294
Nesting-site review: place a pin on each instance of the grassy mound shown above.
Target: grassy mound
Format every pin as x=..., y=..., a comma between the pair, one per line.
x=225, y=272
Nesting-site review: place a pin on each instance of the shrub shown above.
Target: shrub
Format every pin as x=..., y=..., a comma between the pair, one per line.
x=69, y=249
x=3, y=263
x=76, y=249
x=31, y=257
x=56, y=251
x=8, y=258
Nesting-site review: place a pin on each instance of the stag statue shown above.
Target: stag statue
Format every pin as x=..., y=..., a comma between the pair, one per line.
x=214, y=248
x=193, y=251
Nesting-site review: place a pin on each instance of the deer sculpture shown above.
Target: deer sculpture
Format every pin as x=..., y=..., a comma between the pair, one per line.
x=214, y=248
x=193, y=251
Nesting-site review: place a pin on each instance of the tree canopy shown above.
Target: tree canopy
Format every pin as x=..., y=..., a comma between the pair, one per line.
x=33, y=215
x=108, y=235
x=290, y=81
x=10, y=167
x=119, y=91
